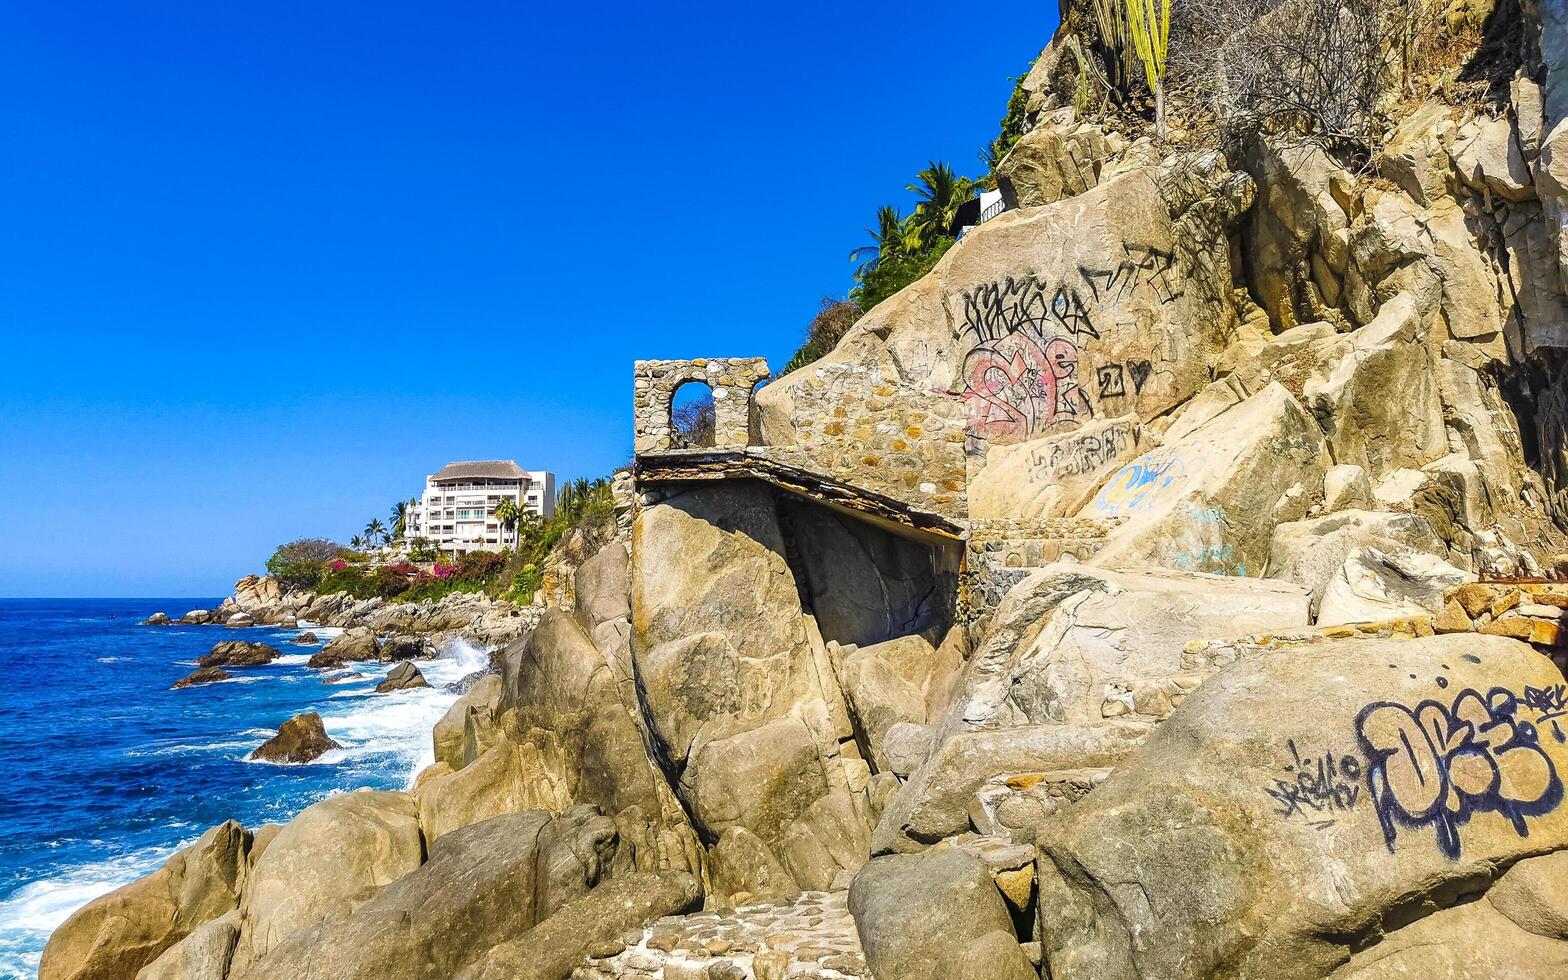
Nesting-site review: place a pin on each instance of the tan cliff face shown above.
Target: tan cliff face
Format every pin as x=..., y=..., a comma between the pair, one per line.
x=1104, y=605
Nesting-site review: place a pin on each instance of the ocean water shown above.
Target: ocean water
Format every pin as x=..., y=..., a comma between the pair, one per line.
x=108, y=772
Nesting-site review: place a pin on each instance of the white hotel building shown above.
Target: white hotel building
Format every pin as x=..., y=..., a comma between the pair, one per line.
x=457, y=510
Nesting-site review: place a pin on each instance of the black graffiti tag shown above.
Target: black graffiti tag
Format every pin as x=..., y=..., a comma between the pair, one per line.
x=1027, y=305
x=1318, y=785
x=1439, y=764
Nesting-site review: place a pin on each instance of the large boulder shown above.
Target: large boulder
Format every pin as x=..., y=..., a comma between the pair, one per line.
x=505, y=778
x=940, y=797
x=200, y=676
x=1349, y=391
x=1312, y=552
x=603, y=587
x=551, y=950
x=205, y=954
x=1303, y=804
x=887, y=684
x=115, y=936
x=1209, y=498
x=1466, y=942
x=1534, y=895
x=484, y=884
x=239, y=653
x=469, y=722
x=570, y=706
x=405, y=676
x=737, y=690
x=406, y=648
x=1077, y=664
x=335, y=856
x=1374, y=584
x=355, y=643
x=935, y=916
x=300, y=739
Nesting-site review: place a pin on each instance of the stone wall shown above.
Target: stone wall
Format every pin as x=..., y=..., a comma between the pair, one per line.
x=1001, y=552
x=859, y=423
x=731, y=380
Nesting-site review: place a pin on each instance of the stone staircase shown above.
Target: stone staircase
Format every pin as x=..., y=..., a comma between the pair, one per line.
x=808, y=937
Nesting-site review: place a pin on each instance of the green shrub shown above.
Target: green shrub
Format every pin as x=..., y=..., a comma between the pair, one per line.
x=1012, y=124
x=826, y=329
x=299, y=564
x=893, y=273
x=476, y=566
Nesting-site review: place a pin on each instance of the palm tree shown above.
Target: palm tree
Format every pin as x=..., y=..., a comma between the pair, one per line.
x=357, y=542
x=940, y=192
x=891, y=238
x=506, y=513
x=375, y=529
x=400, y=518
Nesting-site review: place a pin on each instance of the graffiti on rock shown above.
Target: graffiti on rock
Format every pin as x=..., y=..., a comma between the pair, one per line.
x=1114, y=378
x=1027, y=305
x=1549, y=704
x=1438, y=765
x=1085, y=452
x=1317, y=786
x=1142, y=264
x=1014, y=389
x=1201, y=545
x=1025, y=335
x=1141, y=484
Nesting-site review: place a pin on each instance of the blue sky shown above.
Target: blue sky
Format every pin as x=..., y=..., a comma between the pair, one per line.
x=263, y=266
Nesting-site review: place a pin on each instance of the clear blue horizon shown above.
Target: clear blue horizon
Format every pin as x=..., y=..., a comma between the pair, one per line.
x=263, y=269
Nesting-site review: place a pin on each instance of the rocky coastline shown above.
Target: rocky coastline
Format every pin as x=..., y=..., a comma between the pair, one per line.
x=262, y=601
x=1168, y=585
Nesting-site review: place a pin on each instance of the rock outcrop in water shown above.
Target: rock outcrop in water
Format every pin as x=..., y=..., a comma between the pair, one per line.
x=1107, y=604
x=200, y=676
x=301, y=739
x=239, y=653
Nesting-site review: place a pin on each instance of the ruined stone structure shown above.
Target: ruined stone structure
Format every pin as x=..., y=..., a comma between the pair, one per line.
x=731, y=381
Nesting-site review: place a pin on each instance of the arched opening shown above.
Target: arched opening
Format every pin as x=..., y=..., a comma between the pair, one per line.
x=691, y=416
x=754, y=414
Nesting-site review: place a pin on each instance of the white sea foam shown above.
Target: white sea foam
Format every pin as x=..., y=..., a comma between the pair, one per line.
x=399, y=722
x=322, y=632
x=29, y=914
x=185, y=748
x=291, y=660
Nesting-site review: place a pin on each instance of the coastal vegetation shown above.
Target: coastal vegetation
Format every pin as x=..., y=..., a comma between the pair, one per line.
x=904, y=247
x=584, y=507
x=325, y=567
